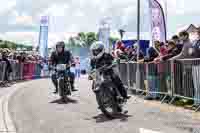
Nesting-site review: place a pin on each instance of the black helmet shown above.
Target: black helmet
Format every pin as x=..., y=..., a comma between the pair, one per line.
x=60, y=44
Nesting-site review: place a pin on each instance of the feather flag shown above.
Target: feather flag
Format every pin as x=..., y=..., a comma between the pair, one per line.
x=158, y=24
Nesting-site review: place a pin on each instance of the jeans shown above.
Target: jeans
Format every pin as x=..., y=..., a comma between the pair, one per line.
x=78, y=73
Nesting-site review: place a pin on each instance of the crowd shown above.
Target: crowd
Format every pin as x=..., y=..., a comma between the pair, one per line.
x=33, y=65
x=178, y=47
x=10, y=57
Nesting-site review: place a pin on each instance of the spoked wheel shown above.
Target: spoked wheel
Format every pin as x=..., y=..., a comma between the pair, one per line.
x=107, y=103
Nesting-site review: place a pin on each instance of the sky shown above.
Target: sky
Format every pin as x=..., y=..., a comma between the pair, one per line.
x=20, y=18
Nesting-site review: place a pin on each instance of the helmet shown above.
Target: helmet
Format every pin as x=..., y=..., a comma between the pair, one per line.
x=97, y=49
x=60, y=44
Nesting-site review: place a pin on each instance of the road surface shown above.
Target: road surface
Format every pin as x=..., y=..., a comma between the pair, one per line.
x=35, y=109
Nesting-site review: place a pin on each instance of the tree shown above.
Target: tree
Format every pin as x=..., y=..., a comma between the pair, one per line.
x=72, y=42
x=91, y=37
x=82, y=36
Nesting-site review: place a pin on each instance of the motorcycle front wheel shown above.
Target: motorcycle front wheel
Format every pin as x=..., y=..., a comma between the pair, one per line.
x=61, y=88
x=107, y=102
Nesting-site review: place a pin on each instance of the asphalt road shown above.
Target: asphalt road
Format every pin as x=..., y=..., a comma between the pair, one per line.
x=35, y=109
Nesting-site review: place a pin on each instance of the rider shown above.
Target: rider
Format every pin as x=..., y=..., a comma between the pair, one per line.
x=101, y=58
x=62, y=56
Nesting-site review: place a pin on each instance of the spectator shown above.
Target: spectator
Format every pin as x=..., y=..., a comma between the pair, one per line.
x=187, y=52
x=120, y=50
x=195, y=52
x=162, y=52
x=8, y=65
x=152, y=54
x=130, y=51
x=157, y=46
x=120, y=45
x=77, y=67
x=179, y=46
x=141, y=54
x=1, y=58
x=187, y=46
x=172, y=51
x=152, y=75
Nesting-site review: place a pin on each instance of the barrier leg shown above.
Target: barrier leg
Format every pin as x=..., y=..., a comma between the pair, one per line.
x=162, y=101
x=128, y=75
x=142, y=93
x=172, y=100
x=197, y=108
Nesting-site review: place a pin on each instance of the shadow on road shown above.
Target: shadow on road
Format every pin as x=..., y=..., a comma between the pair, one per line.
x=100, y=118
x=67, y=100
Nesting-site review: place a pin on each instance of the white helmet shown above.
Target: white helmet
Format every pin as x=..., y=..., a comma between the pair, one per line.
x=97, y=49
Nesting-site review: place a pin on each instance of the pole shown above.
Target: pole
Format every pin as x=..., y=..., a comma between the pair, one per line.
x=138, y=45
x=166, y=17
x=138, y=28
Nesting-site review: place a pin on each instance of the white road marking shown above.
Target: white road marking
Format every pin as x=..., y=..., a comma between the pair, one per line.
x=6, y=124
x=143, y=130
x=2, y=122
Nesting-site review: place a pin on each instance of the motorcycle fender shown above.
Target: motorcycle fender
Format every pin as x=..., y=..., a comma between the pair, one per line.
x=96, y=89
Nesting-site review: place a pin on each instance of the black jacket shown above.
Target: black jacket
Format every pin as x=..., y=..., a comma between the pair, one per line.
x=152, y=54
x=8, y=65
x=61, y=58
x=106, y=59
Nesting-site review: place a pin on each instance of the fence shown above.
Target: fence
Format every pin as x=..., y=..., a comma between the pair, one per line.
x=179, y=78
x=20, y=71
x=2, y=72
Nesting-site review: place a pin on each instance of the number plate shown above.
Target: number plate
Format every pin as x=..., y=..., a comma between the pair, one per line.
x=61, y=67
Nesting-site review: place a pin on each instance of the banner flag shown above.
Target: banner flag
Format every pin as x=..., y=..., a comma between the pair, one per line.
x=43, y=37
x=104, y=35
x=158, y=24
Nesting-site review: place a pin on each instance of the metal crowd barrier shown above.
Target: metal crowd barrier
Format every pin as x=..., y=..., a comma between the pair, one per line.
x=187, y=79
x=2, y=72
x=21, y=71
x=175, y=79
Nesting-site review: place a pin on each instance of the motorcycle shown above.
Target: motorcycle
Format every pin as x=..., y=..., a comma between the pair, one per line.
x=107, y=95
x=64, y=86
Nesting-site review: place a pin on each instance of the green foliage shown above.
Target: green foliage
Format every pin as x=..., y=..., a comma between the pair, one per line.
x=83, y=40
x=91, y=38
x=14, y=46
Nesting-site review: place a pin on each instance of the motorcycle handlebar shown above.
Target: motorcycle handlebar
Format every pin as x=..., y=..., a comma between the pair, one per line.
x=103, y=67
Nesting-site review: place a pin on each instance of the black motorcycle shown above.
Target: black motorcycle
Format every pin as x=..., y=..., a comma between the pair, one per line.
x=107, y=95
x=64, y=86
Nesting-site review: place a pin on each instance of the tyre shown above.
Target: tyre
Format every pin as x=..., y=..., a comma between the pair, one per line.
x=68, y=87
x=107, y=102
x=61, y=88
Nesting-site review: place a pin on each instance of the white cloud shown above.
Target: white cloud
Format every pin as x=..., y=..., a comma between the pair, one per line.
x=31, y=38
x=24, y=20
x=56, y=10
x=84, y=15
x=7, y=5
